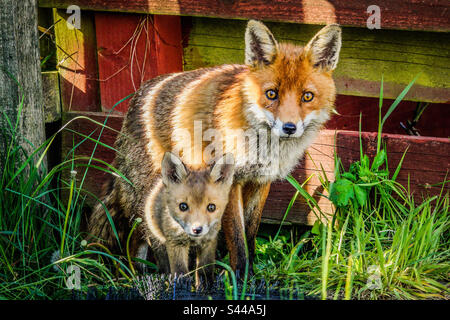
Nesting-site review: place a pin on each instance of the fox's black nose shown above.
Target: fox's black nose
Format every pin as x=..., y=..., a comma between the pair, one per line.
x=289, y=128
x=197, y=230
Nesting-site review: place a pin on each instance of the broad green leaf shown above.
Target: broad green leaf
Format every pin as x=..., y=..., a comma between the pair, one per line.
x=341, y=192
x=365, y=174
x=354, y=167
x=360, y=195
x=316, y=227
x=349, y=176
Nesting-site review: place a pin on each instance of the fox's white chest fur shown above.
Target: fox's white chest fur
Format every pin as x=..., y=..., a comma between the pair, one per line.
x=281, y=159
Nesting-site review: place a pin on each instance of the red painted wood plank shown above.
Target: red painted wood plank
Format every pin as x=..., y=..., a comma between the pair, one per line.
x=434, y=121
x=132, y=49
x=168, y=44
x=430, y=15
x=427, y=162
x=125, y=59
x=95, y=178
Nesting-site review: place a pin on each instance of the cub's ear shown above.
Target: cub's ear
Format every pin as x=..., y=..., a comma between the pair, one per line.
x=260, y=45
x=323, y=49
x=172, y=169
x=223, y=170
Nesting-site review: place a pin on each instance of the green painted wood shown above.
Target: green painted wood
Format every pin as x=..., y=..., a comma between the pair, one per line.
x=52, y=101
x=366, y=55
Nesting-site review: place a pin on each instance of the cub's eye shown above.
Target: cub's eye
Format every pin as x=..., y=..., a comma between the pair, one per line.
x=183, y=206
x=271, y=94
x=211, y=207
x=307, y=96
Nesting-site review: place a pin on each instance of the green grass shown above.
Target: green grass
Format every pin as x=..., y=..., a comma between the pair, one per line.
x=382, y=242
x=40, y=235
x=365, y=256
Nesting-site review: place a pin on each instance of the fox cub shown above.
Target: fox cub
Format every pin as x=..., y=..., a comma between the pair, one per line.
x=183, y=213
x=275, y=104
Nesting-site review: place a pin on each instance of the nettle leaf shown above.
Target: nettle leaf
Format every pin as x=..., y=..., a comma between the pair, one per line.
x=379, y=159
x=383, y=173
x=354, y=167
x=365, y=174
x=316, y=227
x=349, y=176
x=360, y=195
x=341, y=191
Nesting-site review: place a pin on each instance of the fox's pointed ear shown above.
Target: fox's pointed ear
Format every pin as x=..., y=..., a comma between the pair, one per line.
x=172, y=169
x=324, y=47
x=260, y=44
x=223, y=169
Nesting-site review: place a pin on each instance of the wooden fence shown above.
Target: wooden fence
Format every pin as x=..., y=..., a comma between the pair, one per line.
x=122, y=43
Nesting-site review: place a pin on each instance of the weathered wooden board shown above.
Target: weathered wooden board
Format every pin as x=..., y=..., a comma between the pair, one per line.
x=366, y=56
x=95, y=177
x=434, y=121
x=395, y=14
x=426, y=163
x=124, y=56
x=431, y=153
x=20, y=83
x=133, y=48
x=51, y=99
x=77, y=63
x=168, y=44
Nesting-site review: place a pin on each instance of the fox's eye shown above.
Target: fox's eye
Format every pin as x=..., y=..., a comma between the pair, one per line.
x=307, y=96
x=183, y=206
x=211, y=207
x=271, y=94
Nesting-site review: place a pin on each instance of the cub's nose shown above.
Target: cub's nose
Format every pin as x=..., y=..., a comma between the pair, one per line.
x=197, y=230
x=289, y=128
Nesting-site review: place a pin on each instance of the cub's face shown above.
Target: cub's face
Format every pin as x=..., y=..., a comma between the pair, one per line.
x=197, y=203
x=196, y=199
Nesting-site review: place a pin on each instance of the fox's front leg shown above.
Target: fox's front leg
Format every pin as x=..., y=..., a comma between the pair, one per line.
x=206, y=257
x=234, y=229
x=254, y=197
x=178, y=258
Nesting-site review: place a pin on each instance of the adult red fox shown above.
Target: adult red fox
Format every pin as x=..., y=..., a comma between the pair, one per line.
x=265, y=113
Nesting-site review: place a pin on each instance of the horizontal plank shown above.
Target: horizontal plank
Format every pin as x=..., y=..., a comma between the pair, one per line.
x=433, y=122
x=366, y=56
x=52, y=101
x=395, y=14
x=426, y=163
